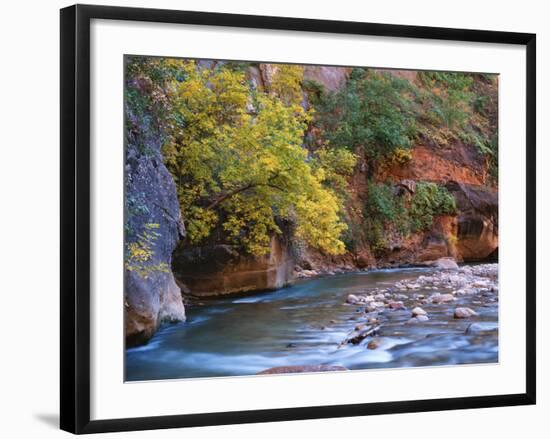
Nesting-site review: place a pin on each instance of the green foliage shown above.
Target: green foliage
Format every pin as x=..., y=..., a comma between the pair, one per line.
x=382, y=202
x=383, y=114
x=147, y=99
x=449, y=98
x=385, y=211
x=382, y=210
x=314, y=90
x=453, y=108
x=373, y=111
x=429, y=200
x=237, y=158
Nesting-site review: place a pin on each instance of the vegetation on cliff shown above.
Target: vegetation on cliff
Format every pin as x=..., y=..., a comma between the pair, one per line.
x=405, y=215
x=385, y=115
x=373, y=112
x=237, y=159
x=252, y=160
x=382, y=116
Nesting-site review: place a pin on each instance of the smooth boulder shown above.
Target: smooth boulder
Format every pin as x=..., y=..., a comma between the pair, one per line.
x=445, y=264
x=464, y=313
x=417, y=311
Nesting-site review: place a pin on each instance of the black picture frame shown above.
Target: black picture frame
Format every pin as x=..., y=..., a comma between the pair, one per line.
x=75, y=217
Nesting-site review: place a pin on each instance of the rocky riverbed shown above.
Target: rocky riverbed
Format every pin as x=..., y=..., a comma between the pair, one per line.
x=431, y=316
x=457, y=293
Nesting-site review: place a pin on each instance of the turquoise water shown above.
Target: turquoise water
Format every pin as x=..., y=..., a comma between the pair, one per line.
x=304, y=325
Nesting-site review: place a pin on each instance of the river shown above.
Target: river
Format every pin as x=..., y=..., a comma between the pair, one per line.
x=306, y=323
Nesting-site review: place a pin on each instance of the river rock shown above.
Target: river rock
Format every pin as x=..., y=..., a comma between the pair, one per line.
x=441, y=298
x=417, y=319
x=464, y=313
x=373, y=344
x=374, y=306
x=396, y=305
x=417, y=311
x=466, y=292
x=446, y=264
x=481, y=328
x=352, y=299
x=301, y=369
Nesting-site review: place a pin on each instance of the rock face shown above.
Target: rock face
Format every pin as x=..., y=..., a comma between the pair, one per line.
x=424, y=247
x=332, y=78
x=219, y=269
x=477, y=221
x=429, y=163
x=152, y=208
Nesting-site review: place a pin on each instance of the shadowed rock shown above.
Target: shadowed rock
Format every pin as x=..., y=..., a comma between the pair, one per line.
x=477, y=221
x=151, y=296
x=301, y=369
x=220, y=269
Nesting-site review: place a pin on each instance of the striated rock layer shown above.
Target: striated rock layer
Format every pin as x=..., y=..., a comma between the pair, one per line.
x=219, y=269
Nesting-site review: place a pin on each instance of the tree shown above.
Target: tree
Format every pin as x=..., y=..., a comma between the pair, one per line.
x=237, y=158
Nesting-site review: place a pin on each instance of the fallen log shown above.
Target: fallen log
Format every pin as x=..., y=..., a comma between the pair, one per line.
x=357, y=336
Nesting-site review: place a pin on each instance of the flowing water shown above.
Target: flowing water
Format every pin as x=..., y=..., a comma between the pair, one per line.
x=305, y=324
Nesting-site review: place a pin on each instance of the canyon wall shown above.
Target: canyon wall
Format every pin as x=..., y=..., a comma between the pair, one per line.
x=153, y=227
x=164, y=265
x=471, y=234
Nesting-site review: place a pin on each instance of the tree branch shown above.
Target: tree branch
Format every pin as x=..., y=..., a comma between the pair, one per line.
x=236, y=191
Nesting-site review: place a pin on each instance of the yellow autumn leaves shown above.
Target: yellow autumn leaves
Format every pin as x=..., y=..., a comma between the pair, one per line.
x=240, y=168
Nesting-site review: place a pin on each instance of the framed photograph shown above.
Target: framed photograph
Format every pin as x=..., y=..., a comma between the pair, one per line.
x=268, y=218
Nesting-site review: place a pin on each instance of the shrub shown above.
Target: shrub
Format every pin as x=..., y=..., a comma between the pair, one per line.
x=382, y=211
x=399, y=157
x=373, y=111
x=429, y=199
x=386, y=213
